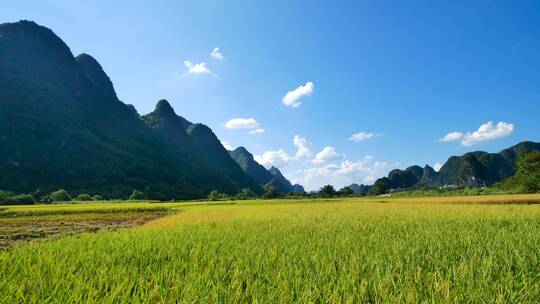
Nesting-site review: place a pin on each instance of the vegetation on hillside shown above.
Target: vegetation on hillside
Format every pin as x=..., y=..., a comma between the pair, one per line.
x=63, y=127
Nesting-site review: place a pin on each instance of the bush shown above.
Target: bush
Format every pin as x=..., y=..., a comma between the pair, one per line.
x=345, y=191
x=246, y=193
x=137, y=195
x=271, y=192
x=60, y=196
x=10, y=198
x=84, y=197
x=5, y=197
x=97, y=198
x=215, y=195
x=22, y=199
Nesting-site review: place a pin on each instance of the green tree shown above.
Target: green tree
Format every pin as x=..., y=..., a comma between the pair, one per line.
x=245, y=194
x=5, y=197
x=215, y=195
x=346, y=191
x=97, y=198
x=60, y=195
x=380, y=187
x=22, y=199
x=271, y=192
x=10, y=198
x=137, y=195
x=83, y=197
x=527, y=178
x=327, y=191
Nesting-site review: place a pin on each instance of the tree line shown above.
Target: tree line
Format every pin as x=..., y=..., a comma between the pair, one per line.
x=526, y=180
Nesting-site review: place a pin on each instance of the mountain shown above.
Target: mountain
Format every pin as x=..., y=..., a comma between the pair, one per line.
x=200, y=148
x=219, y=160
x=279, y=181
x=266, y=178
x=63, y=126
x=247, y=162
x=430, y=177
x=405, y=178
x=296, y=188
x=473, y=169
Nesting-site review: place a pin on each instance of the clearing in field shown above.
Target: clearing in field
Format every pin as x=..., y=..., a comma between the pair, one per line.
x=462, y=249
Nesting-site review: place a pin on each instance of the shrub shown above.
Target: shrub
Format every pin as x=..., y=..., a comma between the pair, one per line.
x=60, y=196
x=271, y=192
x=97, y=198
x=83, y=197
x=22, y=199
x=137, y=195
x=245, y=194
x=10, y=198
x=215, y=195
x=345, y=191
x=5, y=197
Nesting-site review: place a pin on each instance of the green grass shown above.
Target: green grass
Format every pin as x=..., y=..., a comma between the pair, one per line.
x=463, y=249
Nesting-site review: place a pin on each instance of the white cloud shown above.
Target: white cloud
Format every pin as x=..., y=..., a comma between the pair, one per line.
x=366, y=170
x=326, y=154
x=216, y=54
x=198, y=68
x=303, y=147
x=242, y=123
x=361, y=136
x=437, y=167
x=292, y=98
x=277, y=158
x=486, y=132
x=256, y=131
x=453, y=136
x=226, y=145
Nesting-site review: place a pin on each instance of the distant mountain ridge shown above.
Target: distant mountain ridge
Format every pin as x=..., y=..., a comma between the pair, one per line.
x=473, y=169
x=62, y=126
x=265, y=178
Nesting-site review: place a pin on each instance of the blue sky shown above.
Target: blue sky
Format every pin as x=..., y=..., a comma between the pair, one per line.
x=406, y=73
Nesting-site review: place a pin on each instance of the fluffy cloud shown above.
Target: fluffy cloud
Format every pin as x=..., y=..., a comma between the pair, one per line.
x=453, y=136
x=366, y=170
x=486, y=132
x=216, y=54
x=361, y=136
x=256, y=131
x=242, y=123
x=292, y=98
x=198, y=68
x=326, y=154
x=277, y=158
x=303, y=147
x=437, y=167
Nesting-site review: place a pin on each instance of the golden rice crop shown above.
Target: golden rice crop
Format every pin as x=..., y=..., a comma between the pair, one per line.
x=483, y=249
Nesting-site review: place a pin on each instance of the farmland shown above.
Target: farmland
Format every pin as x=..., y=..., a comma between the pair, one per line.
x=381, y=249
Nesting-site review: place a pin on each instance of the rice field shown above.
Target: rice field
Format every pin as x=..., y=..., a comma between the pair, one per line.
x=375, y=250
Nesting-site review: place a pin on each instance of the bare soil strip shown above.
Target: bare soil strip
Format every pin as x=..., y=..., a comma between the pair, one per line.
x=22, y=229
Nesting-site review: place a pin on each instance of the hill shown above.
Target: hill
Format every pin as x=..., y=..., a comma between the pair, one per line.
x=473, y=169
x=263, y=177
